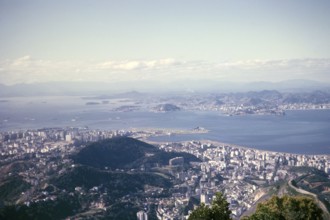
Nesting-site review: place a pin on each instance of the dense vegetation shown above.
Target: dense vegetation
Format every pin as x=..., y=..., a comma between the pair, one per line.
x=117, y=183
x=113, y=153
x=124, y=211
x=11, y=188
x=218, y=211
x=284, y=208
x=12, y=183
x=64, y=206
x=125, y=152
x=314, y=181
x=287, y=208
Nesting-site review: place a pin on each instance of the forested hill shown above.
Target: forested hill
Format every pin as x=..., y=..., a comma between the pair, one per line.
x=125, y=152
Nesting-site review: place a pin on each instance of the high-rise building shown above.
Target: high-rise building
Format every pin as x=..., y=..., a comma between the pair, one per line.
x=204, y=198
x=68, y=137
x=142, y=215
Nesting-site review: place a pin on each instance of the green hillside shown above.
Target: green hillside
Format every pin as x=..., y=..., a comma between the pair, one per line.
x=117, y=183
x=316, y=182
x=125, y=152
x=85, y=189
x=12, y=187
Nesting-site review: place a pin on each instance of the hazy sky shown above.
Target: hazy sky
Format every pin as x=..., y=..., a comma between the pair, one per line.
x=105, y=40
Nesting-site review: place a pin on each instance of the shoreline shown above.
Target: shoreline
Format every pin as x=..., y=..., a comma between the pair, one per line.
x=144, y=134
x=219, y=143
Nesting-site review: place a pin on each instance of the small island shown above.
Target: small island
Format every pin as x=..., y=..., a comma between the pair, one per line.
x=92, y=103
x=166, y=108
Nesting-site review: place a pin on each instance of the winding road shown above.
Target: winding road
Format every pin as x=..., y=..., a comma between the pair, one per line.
x=302, y=191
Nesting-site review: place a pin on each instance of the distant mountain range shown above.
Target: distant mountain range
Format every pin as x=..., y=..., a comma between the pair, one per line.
x=101, y=88
x=266, y=97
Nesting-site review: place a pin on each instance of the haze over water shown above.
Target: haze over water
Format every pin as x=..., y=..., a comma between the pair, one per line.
x=153, y=44
x=305, y=132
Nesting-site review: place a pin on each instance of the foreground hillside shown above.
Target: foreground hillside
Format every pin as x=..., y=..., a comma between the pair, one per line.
x=89, y=182
x=105, y=179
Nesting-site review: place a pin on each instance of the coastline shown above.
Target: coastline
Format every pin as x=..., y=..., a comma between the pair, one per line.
x=219, y=143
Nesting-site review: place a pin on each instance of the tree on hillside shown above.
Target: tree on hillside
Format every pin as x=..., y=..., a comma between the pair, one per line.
x=218, y=211
x=287, y=208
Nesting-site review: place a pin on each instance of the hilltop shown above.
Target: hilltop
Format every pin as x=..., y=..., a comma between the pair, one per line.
x=166, y=108
x=125, y=153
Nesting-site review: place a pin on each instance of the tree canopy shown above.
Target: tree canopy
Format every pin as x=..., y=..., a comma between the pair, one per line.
x=287, y=208
x=218, y=211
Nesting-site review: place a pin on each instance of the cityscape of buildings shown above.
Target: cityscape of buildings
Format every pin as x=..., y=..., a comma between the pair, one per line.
x=240, y=173
x=120, y=109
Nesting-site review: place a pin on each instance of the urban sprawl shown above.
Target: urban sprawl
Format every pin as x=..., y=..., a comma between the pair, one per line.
x=239, y=172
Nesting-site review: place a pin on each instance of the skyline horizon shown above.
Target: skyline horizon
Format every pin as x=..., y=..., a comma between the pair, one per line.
x=28, y=70
x=170, y=41
x=94, y=88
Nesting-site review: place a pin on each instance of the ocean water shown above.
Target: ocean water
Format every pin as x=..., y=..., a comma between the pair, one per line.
x=304, y=132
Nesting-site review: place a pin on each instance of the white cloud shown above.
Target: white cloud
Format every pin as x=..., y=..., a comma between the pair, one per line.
x=138, y=64
x=28, y=70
